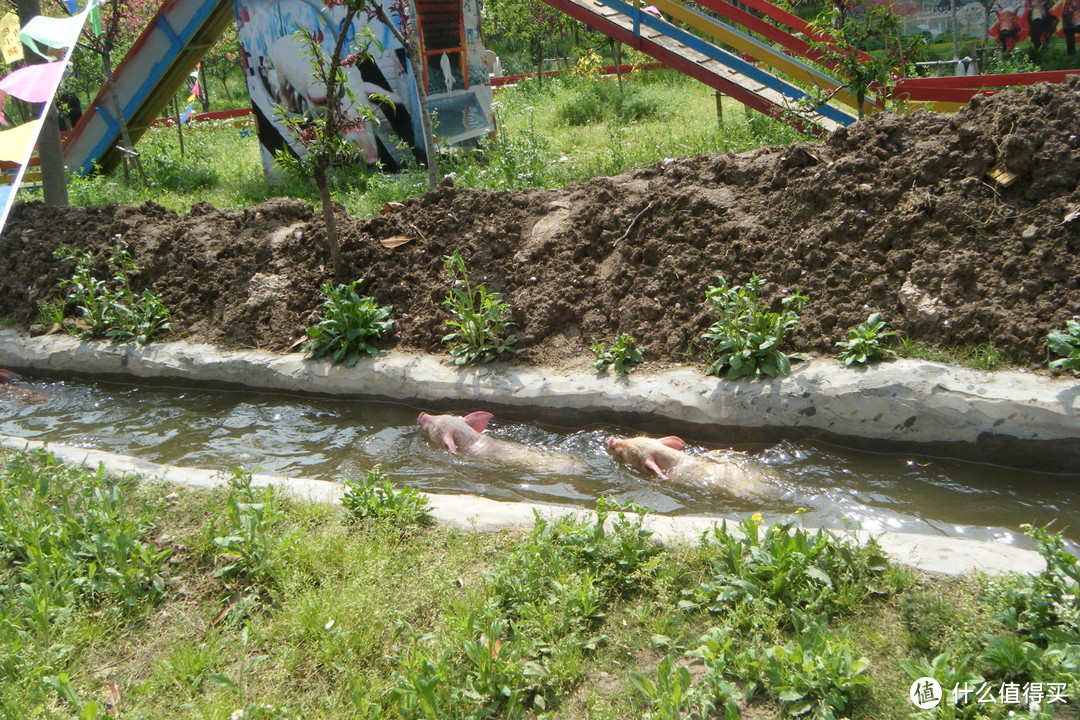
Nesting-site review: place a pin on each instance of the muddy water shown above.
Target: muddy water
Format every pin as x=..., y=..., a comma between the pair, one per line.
x=334, y=439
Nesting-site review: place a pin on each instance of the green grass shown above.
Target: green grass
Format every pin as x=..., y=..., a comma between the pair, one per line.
x=243, y=599
x=659, y=114
x=978, y=357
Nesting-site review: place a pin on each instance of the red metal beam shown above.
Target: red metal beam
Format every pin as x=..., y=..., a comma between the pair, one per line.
x=989, y=81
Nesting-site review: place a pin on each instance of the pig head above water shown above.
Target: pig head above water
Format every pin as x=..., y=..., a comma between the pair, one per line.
x=732, y=472
x=465, y=436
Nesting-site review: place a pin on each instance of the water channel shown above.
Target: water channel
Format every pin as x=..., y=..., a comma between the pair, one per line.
x=332, y=439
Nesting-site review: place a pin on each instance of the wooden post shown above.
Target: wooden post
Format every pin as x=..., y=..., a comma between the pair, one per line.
x=719, y=108
x=179, y=129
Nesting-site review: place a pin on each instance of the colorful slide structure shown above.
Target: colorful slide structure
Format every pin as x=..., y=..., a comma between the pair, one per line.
x=758, y=54
x=146, y=79
x=744, y=76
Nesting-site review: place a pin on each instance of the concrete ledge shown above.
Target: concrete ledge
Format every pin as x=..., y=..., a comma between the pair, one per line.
x=1010, y=418
x=951, y=556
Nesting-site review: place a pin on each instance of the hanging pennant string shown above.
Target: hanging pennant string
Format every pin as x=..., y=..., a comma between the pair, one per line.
x=34, y=83
x=17, y=144
x=13, y=142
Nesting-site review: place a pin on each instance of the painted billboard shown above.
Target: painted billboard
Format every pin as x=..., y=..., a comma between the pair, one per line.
x=279, y=75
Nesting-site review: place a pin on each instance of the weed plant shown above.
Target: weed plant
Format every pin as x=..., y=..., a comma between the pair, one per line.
x=588, y=101
x=367, y=621
x=622, y=356
x=1045, y=607
x=820, y=674
x=745, y=338
x=766, y=575
x=864, y=343
x=69, y=545
x=1067, y=344
x=375, y=497
x=350, y=327
x=526, y=646
x=248, y=546
x=110, y=308
x=481, y=318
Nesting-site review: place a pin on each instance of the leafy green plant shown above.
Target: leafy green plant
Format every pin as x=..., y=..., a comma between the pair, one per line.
x=70, y=545
x=1045, y=607
x=821, y=674
x=248, y=544
x=670, y=695
x=375, y=496
x=350, y=326
x=864, y=343
x=525, y=645
x=745, y=339
x=623, y=354
x=1067, y=344
x=110, y=308
x=1010, y=658
x=482, y=318
x=955, y=673
x=784, y=567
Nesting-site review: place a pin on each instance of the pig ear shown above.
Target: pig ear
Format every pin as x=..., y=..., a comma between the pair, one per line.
x=478, y=420
x=655, y=469
x=673, y=442
x=448, y=441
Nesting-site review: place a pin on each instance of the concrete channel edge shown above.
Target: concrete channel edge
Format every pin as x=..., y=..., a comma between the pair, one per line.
x=939, y=554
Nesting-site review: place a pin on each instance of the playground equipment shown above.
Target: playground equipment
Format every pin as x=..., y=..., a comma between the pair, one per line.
x=753, y=71
x=277, y=75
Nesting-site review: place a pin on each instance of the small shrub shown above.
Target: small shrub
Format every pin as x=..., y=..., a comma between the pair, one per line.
x=350, y=326
x=1011, y=658
x=482, y=318
x=375, y=497
x=1045, y=607
x=110, y=308
x=1067, y=344
x=623, y=354
x=786, y=568
x=248, y=543
x=864, y=343
x=638, y=103
x=670, y=695
x=586, y=103
x=821, y=674
x=746, y=338
x=70, y=535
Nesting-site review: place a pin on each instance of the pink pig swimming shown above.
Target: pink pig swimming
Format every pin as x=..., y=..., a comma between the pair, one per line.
x=464, y=436
x=663, y=457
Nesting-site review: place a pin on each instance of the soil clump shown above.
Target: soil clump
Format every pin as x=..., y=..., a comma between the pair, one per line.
x=895, y=214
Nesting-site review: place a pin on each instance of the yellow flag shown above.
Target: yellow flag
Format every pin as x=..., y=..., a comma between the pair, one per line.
x=10, y=44
x=16, y=142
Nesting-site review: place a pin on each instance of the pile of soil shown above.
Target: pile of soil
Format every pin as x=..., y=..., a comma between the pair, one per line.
x=895, y=214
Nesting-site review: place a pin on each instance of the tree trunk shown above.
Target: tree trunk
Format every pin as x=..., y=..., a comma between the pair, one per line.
x=333, y=247
x=50, y=153
x=204, y=91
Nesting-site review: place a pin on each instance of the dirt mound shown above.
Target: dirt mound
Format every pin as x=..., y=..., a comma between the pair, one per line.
x=894, y=215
